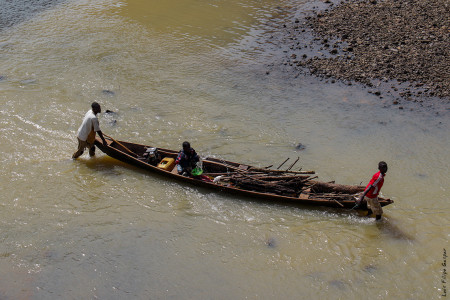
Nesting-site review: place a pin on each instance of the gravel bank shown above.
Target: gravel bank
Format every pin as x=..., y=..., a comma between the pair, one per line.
x=395, y=47
x=15, y=12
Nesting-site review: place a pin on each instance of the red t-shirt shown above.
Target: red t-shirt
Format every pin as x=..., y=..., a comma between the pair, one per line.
x=377, y=182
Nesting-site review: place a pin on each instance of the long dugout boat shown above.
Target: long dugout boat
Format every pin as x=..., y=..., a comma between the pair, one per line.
x=272, y=185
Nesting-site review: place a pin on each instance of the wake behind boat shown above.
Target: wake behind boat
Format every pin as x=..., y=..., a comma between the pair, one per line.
x=279, y=186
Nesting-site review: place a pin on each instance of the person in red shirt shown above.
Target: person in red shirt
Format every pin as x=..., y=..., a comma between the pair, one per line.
x=370, y=194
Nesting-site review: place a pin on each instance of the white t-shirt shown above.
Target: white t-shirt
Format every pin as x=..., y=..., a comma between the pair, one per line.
x=88, y=127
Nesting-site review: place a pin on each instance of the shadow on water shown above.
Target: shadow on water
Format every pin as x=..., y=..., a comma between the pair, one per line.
x=389, y=228
x=15, y=12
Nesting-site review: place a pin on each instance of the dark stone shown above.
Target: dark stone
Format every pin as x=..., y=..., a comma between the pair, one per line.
x=338, y=284
x=421, y=175
x=370, y=268
x=28, y=81
x=271, y=243
x=300, y=147
x=108, y=92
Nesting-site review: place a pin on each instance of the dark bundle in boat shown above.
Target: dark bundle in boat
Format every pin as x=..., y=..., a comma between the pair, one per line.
x=268, y=181
x=226, y=176
x=288, y=183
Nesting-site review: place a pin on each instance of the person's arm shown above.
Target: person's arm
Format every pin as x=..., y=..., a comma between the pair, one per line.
x=96, y=126
x=358, y=202
x=196, y=157
x=364, y=194
x=100, y=134
x=178, y=160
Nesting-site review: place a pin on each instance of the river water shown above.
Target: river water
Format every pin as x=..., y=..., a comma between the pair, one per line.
x=197, y=70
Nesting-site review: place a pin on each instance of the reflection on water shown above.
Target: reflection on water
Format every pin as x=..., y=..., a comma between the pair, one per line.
x=215, y=23
x=97, y=228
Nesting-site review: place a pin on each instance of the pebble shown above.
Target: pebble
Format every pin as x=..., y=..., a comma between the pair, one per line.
x=271, y=243
x=300, y=146
x=108, y=92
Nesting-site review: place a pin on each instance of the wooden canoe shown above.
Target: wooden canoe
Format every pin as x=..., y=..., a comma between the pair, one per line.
x=317, y=193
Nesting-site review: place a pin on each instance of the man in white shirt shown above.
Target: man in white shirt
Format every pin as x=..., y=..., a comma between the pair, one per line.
x=87, y=130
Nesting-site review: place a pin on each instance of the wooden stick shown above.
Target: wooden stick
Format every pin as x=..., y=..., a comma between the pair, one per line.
x=129, y=151
x=251, y=178
x=254, y=169
x=283, y=163
x=281, y=171
x=241, y=172
x=231, y=173
x=338, y=203
x=307, y=187
x=341, y=196
x=309, y=178
x=332, y=187
x=293, y=164
x=281, y=177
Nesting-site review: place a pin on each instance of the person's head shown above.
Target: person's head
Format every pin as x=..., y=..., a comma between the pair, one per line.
x=382, y=166
x=186, y=146
x=96, y=108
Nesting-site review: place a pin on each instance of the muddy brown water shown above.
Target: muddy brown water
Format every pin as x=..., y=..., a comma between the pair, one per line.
x=196, y=70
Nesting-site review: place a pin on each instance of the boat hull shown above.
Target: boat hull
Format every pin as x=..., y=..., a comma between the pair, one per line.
x=129, y=153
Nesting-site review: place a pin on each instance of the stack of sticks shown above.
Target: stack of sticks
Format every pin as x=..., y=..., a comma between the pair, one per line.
x=276, y=181
x=285, y=182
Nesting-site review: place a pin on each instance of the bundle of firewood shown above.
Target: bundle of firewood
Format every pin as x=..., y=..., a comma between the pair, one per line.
x=280, y=182
x=286, y=183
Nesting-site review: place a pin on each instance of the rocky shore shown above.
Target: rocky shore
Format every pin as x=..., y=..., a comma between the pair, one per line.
x=15, y=12
x=396, y=48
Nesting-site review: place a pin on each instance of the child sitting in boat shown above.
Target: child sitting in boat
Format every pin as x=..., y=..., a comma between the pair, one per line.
x=186, y=160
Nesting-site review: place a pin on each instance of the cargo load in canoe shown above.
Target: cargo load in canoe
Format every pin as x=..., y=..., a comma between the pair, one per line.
x=273, y=185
